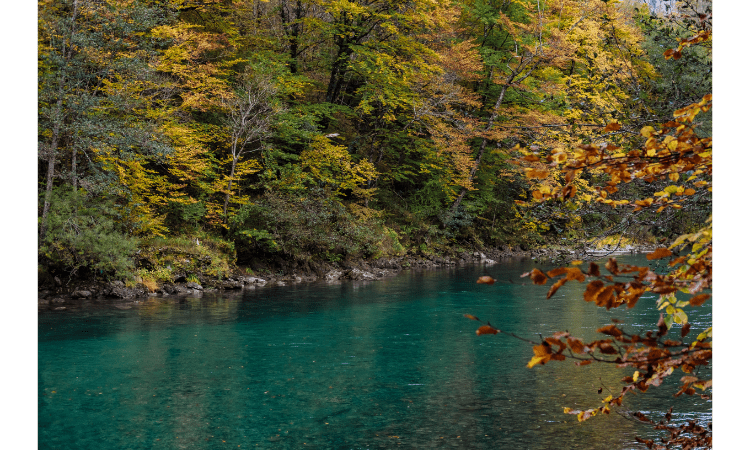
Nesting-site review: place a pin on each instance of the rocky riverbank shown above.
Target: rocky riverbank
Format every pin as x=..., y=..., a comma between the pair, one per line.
x=59, y=295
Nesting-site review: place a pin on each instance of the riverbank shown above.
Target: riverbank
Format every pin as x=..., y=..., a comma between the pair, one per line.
x=57, y=294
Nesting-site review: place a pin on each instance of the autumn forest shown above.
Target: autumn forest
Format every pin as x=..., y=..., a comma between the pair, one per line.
x=334, y=129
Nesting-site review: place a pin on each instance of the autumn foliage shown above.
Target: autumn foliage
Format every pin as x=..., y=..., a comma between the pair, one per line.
x=673, y=152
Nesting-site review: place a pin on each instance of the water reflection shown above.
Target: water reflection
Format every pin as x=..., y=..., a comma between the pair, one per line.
x=365, y=365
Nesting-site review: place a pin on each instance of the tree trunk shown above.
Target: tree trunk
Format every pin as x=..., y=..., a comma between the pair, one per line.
x=52, y=155
x=57, y=125
x=229, y=188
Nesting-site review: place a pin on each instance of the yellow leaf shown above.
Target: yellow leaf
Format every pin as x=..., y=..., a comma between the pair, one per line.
x=647, y=131
x=535, y=360
x=674, y=176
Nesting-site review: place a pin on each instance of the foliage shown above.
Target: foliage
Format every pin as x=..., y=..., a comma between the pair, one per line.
x=187, y=115
x=673, y=152
x=166, y=259
x=315, y=225
x=83, y=237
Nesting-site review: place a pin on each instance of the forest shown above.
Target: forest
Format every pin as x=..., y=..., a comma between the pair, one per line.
x=332, y=130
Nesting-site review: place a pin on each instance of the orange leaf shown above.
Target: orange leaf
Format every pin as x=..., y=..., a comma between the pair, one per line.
x=606, y=297
x=592, y=289
x=613, y=126
x=569, y=191
x=538, y=277
x=575, y=344
x=659, y=253
x=469, y=316
x=699, y=299
x=556, y=286
x=610, y=330
x=607, y=349
x=542, y=350
x=612, y=266
x=486, y=329
x=486, y=280
x=574, y=273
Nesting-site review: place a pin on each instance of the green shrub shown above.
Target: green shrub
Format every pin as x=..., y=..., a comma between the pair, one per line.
x=303, y=227
x=82, y=236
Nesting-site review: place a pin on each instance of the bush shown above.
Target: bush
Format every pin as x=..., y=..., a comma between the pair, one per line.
x=82, y=237
x=303, y=227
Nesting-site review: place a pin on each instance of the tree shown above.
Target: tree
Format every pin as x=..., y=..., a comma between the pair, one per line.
x=250, y=115
x=98, y=96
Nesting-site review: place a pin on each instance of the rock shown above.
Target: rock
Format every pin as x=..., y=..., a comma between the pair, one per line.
x=228, y=284
x=81, y=294
x=358, y=274
x=254, y=280
x=117, y=289
x=333, y=275
x=193, y=285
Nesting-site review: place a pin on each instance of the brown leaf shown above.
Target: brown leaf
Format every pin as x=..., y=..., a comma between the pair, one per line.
x=607, y=349
x=486, y=329
x=662, y=326
x=611, y=330
x=583, y=363
x=575, y=344
x=659, y=253
x=685, y=330
x=612, y=266
x=556, y=286
x=542, y=349
x=699, y=299
x=664, y=289
x=538, y=277
x=469, y=316
x=569, y=191
x=592, y=289
x=606, y=297
x=613, y=126
x=574, y=273
x=594, y=270
x=557, y=272
x=486, y=280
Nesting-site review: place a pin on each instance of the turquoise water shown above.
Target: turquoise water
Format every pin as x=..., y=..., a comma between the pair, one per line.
x=357, y=365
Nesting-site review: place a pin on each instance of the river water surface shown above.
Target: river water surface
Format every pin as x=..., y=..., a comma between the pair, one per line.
x=351, y=365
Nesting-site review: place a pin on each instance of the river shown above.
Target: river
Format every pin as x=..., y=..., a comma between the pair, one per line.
x=352, y=365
